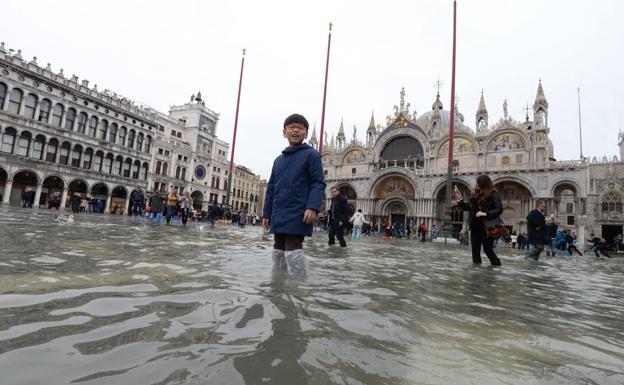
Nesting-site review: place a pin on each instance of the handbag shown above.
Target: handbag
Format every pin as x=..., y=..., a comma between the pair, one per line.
x=495, y=228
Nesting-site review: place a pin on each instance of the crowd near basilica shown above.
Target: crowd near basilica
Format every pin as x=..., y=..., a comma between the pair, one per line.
x=61, y=134
x=399, y=172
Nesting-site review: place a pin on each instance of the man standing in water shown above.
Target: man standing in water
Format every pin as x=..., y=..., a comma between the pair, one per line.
x=338, y=215
x=293, y=197
x=536, y=223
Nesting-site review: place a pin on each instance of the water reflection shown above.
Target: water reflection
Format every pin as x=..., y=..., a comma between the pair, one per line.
x=276, y=359
x=109, y=301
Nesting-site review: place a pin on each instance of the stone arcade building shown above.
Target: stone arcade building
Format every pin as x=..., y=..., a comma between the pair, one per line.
x=60, y=134
x=400, y=171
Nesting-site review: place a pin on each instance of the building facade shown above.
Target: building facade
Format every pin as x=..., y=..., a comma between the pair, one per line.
x=399, y=172
x=58, y=133
x=245, y=189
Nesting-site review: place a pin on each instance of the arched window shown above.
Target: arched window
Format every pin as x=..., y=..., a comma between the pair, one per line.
x=69, y=119
x=158, y=167
x=29, y=106
x=52, y=150
x=139, y=146
x=135, y=169
x=82, y=123
x=148, y=143
x=103, y=129
x=130, y=143
x=15, y=100
x=183, y=172
x=177, y=174
x=8, y=140
x=165, y=168
x=144, y=171
x=23, y=143
x=57, y=115
x=122, y=135
x=126, y=167
x=88, y=156
x=76, y=155
x=117, y=165
x=112, y=134
x=612, y=201
x=3, y=89
x=44, y=110
x=97, y=161
x=64, y=153
x=108, y=164
x=93, y=123
x=37, y=152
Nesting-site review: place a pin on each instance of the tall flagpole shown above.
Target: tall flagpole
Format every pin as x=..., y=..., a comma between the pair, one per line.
x=578, y=92
x=240, y=83
x=449, y=180
x=325, y=90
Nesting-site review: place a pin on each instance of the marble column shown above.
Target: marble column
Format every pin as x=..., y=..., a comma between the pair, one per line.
x=38, y=195
x=127, y=207
x=64, y=198
x=7, y=191
x=109, y=199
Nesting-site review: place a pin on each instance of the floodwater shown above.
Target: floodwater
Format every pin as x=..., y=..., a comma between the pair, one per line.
x=105, y=300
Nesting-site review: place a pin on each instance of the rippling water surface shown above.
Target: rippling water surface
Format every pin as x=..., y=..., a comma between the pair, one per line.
x=106, y=300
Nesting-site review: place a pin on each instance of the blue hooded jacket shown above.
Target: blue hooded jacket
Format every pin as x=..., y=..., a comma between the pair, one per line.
x=297, y=183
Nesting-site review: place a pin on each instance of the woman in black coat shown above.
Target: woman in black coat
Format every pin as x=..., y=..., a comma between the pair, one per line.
x=485, y=207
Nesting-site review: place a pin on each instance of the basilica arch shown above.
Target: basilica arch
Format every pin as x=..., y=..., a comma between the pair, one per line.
x=394, y=195
x=349, y=192
x=517, y=200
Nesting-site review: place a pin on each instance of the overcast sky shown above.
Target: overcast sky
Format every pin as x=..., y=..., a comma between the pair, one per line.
x=161, y=52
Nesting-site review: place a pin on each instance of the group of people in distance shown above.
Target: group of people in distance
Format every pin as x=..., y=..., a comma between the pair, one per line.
x=296, y=188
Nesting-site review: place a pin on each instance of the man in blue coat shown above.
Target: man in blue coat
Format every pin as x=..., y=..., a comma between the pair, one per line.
x=293, y=197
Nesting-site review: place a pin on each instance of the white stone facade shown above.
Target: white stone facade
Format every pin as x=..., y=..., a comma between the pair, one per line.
x=61, y=134
x=400, y=171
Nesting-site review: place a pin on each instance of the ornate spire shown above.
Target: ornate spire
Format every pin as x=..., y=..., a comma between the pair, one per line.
x=198, y=97
x=341, y=129
x=3, y=48
x=437, y=105
x=482, y=114
x=540, y=107
x=332, y=144
x=540, y=98
x=313, y=141
x=371, y=125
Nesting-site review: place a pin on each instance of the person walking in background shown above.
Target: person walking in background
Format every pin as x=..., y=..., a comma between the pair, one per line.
x=338, y=215
x=75, y=203
x=551, y=236
x=172, y=204
x=536, y=223
x=358, y=221
x=186, y=207
x=156, y=207
x=598, y=246
x=571, y=243
x=137, y=202
x=242, y=220
x=54, y=202
x=293, y=197
x=561, y=242
x=422, y=232
x=484, y=206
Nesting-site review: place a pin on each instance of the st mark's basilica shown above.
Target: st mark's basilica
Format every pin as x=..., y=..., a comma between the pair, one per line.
x=400, y=172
